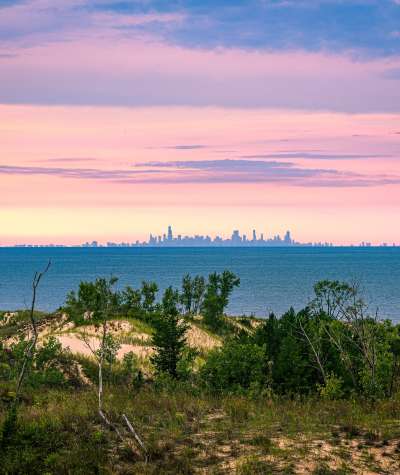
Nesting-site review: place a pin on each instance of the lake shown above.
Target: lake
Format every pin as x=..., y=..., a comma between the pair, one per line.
x=272, y=279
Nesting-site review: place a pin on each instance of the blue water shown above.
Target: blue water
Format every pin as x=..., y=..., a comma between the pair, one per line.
x=272, y=279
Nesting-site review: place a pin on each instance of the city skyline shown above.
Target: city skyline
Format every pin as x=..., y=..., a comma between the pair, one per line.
x=236, y=239
x=201, y=114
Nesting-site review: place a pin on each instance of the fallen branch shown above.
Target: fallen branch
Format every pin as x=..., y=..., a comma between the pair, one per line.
x=135, y=434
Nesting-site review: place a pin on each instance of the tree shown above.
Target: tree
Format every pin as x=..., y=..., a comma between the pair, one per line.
x=28, y=356
x=228, y=281
x=31, y=347
x=187, y=295
x=149, y=292
x=356, y=334
x=192, y=294
x=96, y=301
x=199, y=287
x=216, y=298
x=99, y=300
x=131, y=302
x=169, y=339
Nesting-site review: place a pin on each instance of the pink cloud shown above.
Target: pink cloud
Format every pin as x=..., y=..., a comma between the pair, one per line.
x=95, y=63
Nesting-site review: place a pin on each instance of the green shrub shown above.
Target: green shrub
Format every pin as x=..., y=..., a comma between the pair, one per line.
x=333, y=387
x=234, y=367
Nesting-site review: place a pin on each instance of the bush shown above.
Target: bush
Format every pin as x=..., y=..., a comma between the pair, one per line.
x=332, y=389
x=234, y=367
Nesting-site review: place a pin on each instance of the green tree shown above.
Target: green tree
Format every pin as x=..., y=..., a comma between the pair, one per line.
x=101, y=302
x=96, y=301
x=131, y=302
x=216, y=298
x=149, y=293
x=186, y=297
x=169, y=339
x=359, y=337
x=192, y=294
x=199, y=287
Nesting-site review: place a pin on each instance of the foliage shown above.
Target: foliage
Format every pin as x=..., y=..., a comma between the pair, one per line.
x=50, y=365
x=216, y=298
x=234, y=367
x=331, y=370
x=131, y=303
x=192, y=294
x=333, y=346
x=332, y=389
x=109, y=349
x=95, y=301
x=169, y=339
x=149, y=292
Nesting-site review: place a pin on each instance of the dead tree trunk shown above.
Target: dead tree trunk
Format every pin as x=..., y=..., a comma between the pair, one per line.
x=29, y=353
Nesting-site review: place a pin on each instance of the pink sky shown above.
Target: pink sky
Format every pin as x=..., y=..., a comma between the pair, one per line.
x=117, y=120
x=70, y=174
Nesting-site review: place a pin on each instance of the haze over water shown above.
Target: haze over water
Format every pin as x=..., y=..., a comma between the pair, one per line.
x=272, y=279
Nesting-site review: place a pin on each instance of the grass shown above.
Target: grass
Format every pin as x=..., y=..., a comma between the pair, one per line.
x=190, y=432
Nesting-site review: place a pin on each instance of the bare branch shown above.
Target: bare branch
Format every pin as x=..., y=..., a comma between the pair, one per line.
x=314, y=350
x=32, y=345
x=136, y=436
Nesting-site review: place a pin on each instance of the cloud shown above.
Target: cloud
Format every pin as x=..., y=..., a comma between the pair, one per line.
x=79, y=173
x=212, y=172
x=69, y=160
x=230, y=54
x=186, y=147
x=225, y=165
x=392, y=73
x=136, y=73
x=312, y=25
x=180, y=147
x=314, y=156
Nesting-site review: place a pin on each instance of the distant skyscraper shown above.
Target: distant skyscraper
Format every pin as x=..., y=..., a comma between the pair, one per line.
x=236, y=239
x=254, y=235
x=170, y=237
x=287, y=238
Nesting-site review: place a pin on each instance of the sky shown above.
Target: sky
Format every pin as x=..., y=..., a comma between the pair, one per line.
x=118, y=118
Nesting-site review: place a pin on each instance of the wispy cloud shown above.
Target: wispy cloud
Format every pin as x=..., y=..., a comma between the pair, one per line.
x=180, y=147
x=70, y=160
x=212, y=171
x=392, y=74
x=80, y=173
x=225, y=165
x=314, y=156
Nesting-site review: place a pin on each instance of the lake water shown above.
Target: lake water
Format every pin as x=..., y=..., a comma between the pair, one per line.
x=272, y=279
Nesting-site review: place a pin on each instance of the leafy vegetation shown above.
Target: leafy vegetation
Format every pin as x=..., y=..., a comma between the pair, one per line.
x=169, y=336
x=314, y=391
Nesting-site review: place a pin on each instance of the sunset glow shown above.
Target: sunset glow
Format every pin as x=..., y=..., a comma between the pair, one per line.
x=118, y=123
